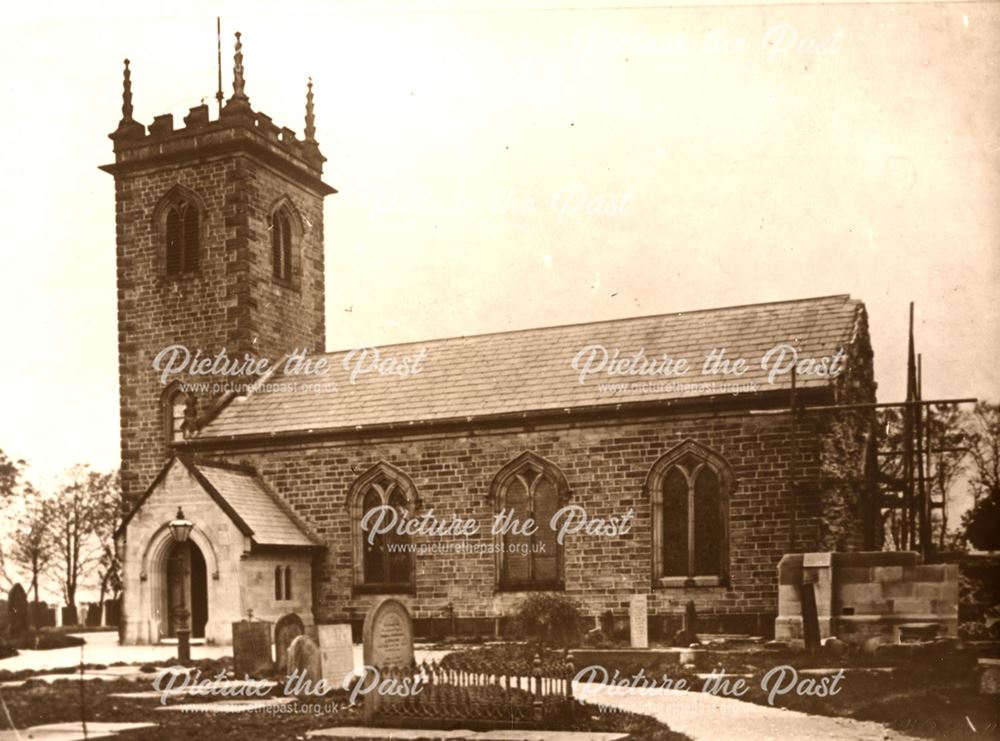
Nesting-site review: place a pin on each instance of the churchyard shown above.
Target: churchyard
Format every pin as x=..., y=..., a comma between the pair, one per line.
x=279, y=681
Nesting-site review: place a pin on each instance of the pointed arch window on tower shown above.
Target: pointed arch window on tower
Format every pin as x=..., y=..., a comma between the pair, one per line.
x=183, y=247
x=281, y=245
x=175, y=405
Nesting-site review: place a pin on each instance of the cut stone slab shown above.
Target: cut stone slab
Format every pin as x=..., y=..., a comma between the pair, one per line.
x=232, y=687
x=989, y=678
x=72, y=731
x=109, y=674
x=365, y=733
x=848, y=670
x=548, y=736
x=228, y=706
x=914, y=632
x=724, y=676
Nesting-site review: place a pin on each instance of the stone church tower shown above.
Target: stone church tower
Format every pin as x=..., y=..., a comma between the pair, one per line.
x=219, y=231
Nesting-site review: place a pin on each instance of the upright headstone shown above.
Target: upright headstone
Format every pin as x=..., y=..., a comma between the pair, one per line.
x=286, y=630
x=17, y=612
x=304, y=664
x=388, y=643
x=251, y=648
x=638, y=620
x=69, y=615
x=336, y=653
x=810, y=617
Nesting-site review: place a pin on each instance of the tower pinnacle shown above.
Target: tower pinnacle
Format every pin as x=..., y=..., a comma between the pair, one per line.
x=310, y=115
x=239, y=99
x=127, y=127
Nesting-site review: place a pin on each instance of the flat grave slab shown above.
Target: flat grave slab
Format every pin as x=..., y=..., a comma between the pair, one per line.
x=89, y=674
x=232, y=687
x=228, y=706
x=72, y=731
x=548, y=736
x=848, y=670
x=364, y=733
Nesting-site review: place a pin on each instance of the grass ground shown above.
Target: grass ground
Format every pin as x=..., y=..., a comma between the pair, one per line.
x=37, y=703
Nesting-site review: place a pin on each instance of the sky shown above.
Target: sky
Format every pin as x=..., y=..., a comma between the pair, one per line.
x=511, y=166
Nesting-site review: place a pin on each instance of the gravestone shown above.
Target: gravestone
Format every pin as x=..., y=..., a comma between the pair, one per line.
x=17, y=612
x=687, y=636
x=286, y=630
x=251, y=648
x=304, y=663
x=388, y=642
x=69, y=615
x=388, y=635
x=336, y=652
x=638, y=620
x=810, y=617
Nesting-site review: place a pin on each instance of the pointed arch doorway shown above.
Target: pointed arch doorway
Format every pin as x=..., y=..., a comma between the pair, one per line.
x=185, y=569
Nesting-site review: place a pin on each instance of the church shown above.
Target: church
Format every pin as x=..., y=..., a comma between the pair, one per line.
x=677, y=456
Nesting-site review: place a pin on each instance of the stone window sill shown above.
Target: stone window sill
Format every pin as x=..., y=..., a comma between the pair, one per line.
x=532, y=587
x=384, y=589
x=681, y=582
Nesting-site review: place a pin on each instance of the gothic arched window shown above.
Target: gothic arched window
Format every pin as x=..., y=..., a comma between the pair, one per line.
x=383, y=561
x=528, y=488
x=278, y=590
x=288, y=582
x=182, y=238
x=174, y=409
x=689, y=491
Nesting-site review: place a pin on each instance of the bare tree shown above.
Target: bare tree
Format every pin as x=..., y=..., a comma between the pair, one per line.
x=10, y=475
x=75, y=518
x=111, y=508
x=949, y=438
x=10, y=484
x=946, y=425
x=981, y=524
x=984, y=439
x=30, y=542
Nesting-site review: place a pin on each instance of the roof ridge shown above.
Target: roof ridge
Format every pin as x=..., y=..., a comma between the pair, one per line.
x=597, y=322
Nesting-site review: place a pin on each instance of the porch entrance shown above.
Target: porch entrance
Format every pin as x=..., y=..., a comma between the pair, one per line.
x=185, y=566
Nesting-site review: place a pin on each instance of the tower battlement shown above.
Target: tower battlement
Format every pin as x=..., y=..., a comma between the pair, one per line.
x=237, y=128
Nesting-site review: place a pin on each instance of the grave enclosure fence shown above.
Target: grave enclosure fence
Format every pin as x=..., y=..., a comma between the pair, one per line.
x=476, y=693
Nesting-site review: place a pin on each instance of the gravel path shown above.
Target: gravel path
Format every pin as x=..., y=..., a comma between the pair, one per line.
x=705, y=717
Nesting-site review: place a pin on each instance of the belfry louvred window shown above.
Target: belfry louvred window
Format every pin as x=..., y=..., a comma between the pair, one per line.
x=182, y=239
x=281, y=245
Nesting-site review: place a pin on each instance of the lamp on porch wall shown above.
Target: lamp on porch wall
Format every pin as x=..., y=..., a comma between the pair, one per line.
x=180, y=529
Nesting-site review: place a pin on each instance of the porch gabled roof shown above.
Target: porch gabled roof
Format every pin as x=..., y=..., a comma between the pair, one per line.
x=240, y=492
